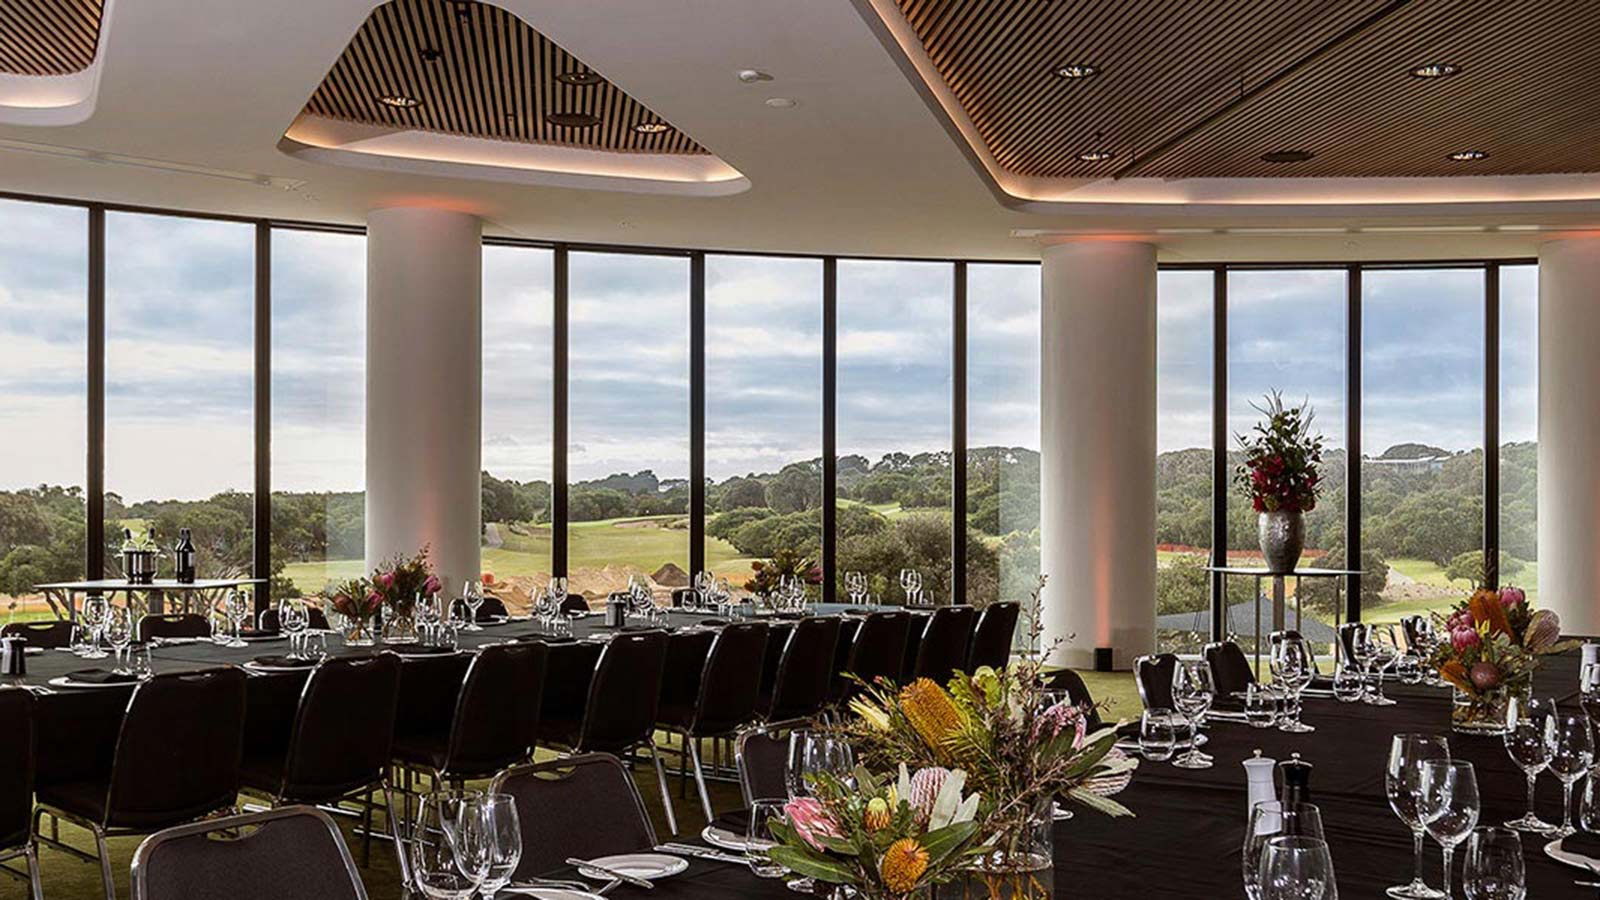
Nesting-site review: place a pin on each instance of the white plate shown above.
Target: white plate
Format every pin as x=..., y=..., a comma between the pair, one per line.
x=62, y=681
x=648, y=866
x=254, y=666
x=722, y=837
x=549, y=893
x=1555, y=851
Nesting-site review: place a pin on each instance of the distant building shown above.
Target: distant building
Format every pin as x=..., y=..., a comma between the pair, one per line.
x=1426, y=465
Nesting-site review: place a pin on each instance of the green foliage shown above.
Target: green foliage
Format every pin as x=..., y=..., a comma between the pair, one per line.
x=1468, y=567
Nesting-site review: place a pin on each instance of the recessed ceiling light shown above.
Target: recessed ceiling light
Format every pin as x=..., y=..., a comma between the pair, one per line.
x=572, y=119
x=580, y=78
x=399, y=101
x=1287, y=156
x=1096, y=155
x=430, y=54
x=1435, y=70
x=652, y=127
x=1077, y=70
x=781, y=102
x=1469, y=155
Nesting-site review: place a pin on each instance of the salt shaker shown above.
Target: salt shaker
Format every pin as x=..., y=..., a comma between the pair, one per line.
x=1258, y=775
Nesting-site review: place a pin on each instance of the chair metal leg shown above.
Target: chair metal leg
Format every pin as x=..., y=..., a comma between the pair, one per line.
x=666, y=792
x=700, y=782
x=397, y=829
x=105, y=863
x=366, y=830
x=35, y=887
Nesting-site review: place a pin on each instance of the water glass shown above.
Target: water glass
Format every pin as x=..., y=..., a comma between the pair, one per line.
x=1273, y=819
x=1449, y=805
x=293, y=618
x=139, y=662
x=237, y=608
x=1524, y=740
x=1349, y=685
x=95, y=610
x=1571, y=744
x=314, y=645
x=1192, y=693
x=1158, y=738
x=472, y=598
x=503, y=833
x=813, y=754
x=758, y=838
x=449, y=850
x=1402, y=783
x=1494, y=869
x=1260, y=706
x=119, y=632
x=1293, y=669
x=1297, y=868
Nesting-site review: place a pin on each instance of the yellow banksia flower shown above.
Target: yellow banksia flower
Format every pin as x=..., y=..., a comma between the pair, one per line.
x=903, y=863
x=877, y=815
x=931, y=712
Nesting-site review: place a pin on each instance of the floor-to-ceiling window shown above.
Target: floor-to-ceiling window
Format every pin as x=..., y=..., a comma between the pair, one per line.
x=518, y=369
x=43, y=372
x=763, y=419
x=180, y=337
x=628, y=421
x=1002, y=528
x=1184, y=333
x=1422, y=438
x=319, y=328
x=1519, y=427
x=894, y=425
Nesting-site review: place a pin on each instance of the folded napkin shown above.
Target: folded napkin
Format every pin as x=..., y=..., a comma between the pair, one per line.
x=101, y=676
x=858, y=612
x=737, y=822
x=1583, y=843
x=712, y=620
x=283, y=662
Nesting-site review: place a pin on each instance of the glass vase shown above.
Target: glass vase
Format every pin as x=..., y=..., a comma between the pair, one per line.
x=400, y=623
x=1020, y=865
x=1483, y=713
x=356, y=632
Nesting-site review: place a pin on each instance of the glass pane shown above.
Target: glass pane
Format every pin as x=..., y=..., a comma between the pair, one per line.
x=1002, y=531
x=319, y=335
x=894, y=425
x=518, y=362
x=43, y=399
x=628, y=454
x=1519, y=427
x=1183, y=460
x=763, y=418
x=1422, y=439
x=180, y=300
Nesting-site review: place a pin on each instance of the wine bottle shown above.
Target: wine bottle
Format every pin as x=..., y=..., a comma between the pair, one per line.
x=183, y=556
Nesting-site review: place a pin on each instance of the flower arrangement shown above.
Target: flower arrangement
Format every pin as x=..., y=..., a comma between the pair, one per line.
x=354, y=599
x=1281, y=459
x=1491, y=645
x=784, y=561
x=887, y=841
x=399, y=581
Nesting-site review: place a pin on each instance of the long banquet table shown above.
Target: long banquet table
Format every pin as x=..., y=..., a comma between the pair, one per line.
x=1183, y=842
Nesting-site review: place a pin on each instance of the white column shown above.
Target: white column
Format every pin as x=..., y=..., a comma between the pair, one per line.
x=1098, y=441
x=424, y=386
x=1569, y=432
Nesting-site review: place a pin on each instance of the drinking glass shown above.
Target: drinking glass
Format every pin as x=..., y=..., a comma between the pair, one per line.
x=503, y=831
x=95, y=608
x=1524, y=740
x=1192, y=693
x=237, y=608
x=1571, y=745
x=119, y=632
x=813, y=754
x=558, y=592
x=314, y=644
x=293, y=618
x=758, y=838
x=1402, y=782
x=855, y=584
x=1493, y=869
x=219, y=626
x=1589, y=690
x=1408, y=668
x=427, y=611
x=449, y=855
x=1349, y=685
x=472, y=598
x=1291, y=665
x=1589, y=807
x=1374, y=645
x=1260, y=706
x=1297, y=868
x=1157, y=738
x=1449, y=803
x=1273, y=819
x=139, y=661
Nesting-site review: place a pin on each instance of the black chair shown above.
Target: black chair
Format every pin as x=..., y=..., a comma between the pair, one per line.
x=918, y=624
x=1231, y=672
x=176, y=759
x=496, y=719
x=877, y=652
x=1347, y=641
x=681, y=597
x=1078, y=692
x=761, y=755
x=991, y=639
x=49, y=635
x=584, y=806
x=492, y=609
x=316, y=620
x=295, y=851
x=575, y=603
x=1153, y=675
x=620, y=712
x=726, y=697
x=805, y=671
x=339, y=745
x=945, y=642
x=173, y=625
x=1412, y=628
x=16, y=784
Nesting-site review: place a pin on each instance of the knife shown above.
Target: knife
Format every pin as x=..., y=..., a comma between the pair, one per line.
x=609, y=873
x=696, y=852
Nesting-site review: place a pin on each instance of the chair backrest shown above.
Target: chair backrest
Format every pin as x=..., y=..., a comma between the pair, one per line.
x=49, y=635
x=1153, y=675
x=584, y=806
x=991, y=639
x=915, y=628
x=687, y=652
x=497, y=710
x=805, y=670
x=343, y=728
x=1071, y=682
x=1231, y=672
x=575, y=603
x=727, y=692
x=680, y=596
x=16, y=766
x=316, y=619
x=880, y=647
x=173, y=625
x=177, y=755
x=1411, y=627
x=945, y=641
x=293, y=851
x=624, y=693
x=761, y=754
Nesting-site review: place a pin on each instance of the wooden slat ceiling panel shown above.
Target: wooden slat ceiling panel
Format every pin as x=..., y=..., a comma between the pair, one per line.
x=479, y=71
x=1524, y=94
x=48, y=37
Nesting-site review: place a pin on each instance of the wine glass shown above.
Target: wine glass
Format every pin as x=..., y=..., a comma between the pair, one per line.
x=1571, y=745
x=293, y=618
x=558, y=592
x=759, y=839
x=1402, y=782
x=1291, y=665
x=1524, y=740
x=1448, y=800
x=237, y=609
x=95, y=608
x=1295, y=867
x=1158, y=740
x=855, y=584
x=813, y=755
x=1589, y=690
x=1494, y=869
x=1192, y=693
x=1273, y=819
x=1349, y=685
x=472, y=598
x=1380, y=652
x=428, y=613
x=503, y=830
x=704, y=583
x=119, y=632
x=449, y=853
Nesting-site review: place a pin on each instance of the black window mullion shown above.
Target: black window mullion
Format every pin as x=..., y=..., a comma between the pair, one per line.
x=958, y=438
x=261, y=534
x=1352, y=443
x=558, y=416
x=697, y=412
x=1491, y=425
x=830, y=410
x=95, y=464
x=1219, y=449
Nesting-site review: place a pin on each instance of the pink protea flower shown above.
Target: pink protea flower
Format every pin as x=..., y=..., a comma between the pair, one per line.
x=810, y=819
x=1464, y=638
x=1512, y=596
x=1544, y=630
x=431, y=586
x=1051, y=722
x=385, y=579
x=925, y=785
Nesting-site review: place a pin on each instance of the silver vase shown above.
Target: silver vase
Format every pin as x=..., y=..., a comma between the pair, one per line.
x=1283, y=537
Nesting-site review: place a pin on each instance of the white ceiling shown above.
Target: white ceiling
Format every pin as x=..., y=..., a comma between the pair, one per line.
x=859, y=166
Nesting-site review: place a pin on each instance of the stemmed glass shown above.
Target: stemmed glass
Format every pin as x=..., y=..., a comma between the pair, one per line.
x=1449, y=803
x=1381, y=651
x=704, y=584
x=813, y=754
x=237, y=609
x=759, y=839
x=1402, y=782
x=1571, y=746
x=1494, y=869
x=1291, y=665
x=1524, y=739
x=428, y=615
x=1297, y=868
x=911, y=583
x=1269, y=820
x=1589, y=690
x=558, y=592
x=449, y=847
x=293, y=618
x=1192, y=693
x=119, y=632
x=855, y=585
x=497, y=814
x=472, y=596
x=95, y=608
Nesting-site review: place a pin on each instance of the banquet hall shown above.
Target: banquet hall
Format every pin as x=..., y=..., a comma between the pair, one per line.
x=883, y=449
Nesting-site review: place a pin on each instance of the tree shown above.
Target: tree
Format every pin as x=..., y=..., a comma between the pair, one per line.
x=740, y=493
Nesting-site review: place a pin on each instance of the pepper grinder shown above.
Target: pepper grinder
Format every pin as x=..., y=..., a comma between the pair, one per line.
x=1296, y=780
x=1258, y=775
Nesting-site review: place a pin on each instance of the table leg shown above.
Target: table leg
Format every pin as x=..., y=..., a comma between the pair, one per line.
x=1258, y=619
